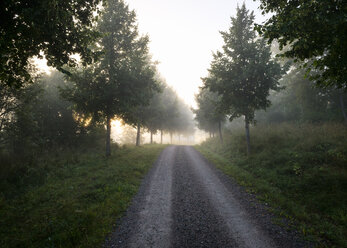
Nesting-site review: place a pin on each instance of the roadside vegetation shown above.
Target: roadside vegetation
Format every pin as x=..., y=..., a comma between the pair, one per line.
x=291, y=106
x=58, y=190
x=71, y=198
x=299, y=169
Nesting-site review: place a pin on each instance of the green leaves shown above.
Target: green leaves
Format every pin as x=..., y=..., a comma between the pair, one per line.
x=208, y=115
x=243, y=73
x=315, y=30
x=56, y=28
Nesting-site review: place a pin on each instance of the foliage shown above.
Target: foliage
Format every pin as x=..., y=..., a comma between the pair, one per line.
x=129, y=136
x=208, y=114
x=244, y=72
x=39, y=121
x=314, y=30
x=301, y=100
x=167, y=112
x=56, y=29
x=298, y=169
x=184, y=121
x=78, y=199
x=123, y=78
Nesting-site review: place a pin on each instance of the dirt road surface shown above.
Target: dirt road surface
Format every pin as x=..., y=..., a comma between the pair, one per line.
x=185, y=202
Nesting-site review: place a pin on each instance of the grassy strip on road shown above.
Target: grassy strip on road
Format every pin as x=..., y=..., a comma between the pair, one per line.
x=300, y=170
x=79, y=201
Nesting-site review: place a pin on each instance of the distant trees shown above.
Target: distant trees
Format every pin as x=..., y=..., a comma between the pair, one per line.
x=123, y=78
x=209, y=115
x=165, y=113
x=302, y=101
x=244, y=72
x=312, y=31
x=56, y=29
x=175, y=116
x=37, y=118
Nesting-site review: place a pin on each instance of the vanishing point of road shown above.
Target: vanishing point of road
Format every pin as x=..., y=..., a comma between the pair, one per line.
x=184, y=201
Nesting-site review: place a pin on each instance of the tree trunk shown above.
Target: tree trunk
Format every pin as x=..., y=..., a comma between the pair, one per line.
x=138, y=135
x=210, y=135
x=161, y=136
x=220, y=131
x=108, y=136
x=179, y=139
x=151, y=137
x=171, y=137
x=343, y=108
x=248, y=140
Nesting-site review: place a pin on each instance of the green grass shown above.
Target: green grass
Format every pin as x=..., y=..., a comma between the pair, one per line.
x=300, y=170
x=77, y=201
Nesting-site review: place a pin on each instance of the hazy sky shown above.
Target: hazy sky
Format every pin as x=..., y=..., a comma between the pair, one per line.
x=183, y=34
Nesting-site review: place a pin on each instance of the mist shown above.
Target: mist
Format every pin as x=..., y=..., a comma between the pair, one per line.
x=88, y=116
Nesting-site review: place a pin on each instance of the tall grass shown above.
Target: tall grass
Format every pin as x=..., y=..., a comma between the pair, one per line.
x=300, y=169
x=77, y=199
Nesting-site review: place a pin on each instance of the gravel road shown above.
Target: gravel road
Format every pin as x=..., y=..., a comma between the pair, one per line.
x=185, y=202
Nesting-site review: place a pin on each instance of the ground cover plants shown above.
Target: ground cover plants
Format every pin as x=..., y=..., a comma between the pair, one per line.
x=299, y=169
x=76, y=200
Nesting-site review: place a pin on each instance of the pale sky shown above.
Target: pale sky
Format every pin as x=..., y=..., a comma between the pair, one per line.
x=183, y=35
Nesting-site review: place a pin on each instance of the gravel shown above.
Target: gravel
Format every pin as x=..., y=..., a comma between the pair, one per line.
x=184, y=201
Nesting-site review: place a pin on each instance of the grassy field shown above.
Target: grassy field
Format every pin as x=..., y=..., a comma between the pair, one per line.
x=72, y=199
x=301, y=170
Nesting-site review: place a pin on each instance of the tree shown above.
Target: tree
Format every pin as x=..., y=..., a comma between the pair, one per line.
x=36, y=118
x=314, y=30
x=244, y=72
x=151, y=116
x=208, y=114
x=123, y=78
x=19, y=129
x=57, y=123
x=56, y=29
x=302, y=101
x=184, y=121
x=166, y=109
x=147, y=116
x=15, y=106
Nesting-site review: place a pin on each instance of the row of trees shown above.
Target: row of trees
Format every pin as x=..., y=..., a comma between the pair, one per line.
x=166, y=112
x=115, y=78
x=245, y=75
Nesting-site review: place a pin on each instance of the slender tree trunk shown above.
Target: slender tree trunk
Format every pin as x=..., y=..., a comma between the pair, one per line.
x=179, y=139
x=138, y=135
x=220, y=131
x=171, y=137
x=210, y=135
x=248, y=140
x=343, y=108
x=151, y=137
x=161, y=136
x=108, y=136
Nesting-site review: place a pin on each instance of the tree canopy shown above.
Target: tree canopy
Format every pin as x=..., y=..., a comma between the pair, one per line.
x=209, y=115
x=314, y=32
x=243, y=73
x=124, y=78
x=56, y=29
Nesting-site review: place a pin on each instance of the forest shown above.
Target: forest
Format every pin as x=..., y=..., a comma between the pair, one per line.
x=272, y=107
